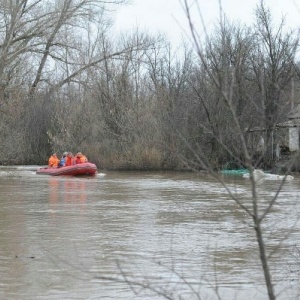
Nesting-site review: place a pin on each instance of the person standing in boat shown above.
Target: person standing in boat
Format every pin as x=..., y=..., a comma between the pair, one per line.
x=80, y=158
x=53, y=161
x=70, y=159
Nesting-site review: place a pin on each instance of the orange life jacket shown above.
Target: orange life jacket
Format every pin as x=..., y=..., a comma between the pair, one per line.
x=83, y=159
x=80, y=159
x=53, y=161
x=77, y=160
x=70, y=161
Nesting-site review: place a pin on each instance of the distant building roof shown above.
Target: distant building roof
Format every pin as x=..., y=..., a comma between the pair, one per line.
x=290, y=123
x=295, y=113
x=293, y=121
x=293, y=118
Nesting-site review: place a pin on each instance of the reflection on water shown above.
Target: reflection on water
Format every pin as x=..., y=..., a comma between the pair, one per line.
x=61, y=237
x=67, y=189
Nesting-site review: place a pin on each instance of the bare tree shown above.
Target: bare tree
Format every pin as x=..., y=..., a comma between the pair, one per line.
x=273, y=67
x=52, y=44
x=274, y=72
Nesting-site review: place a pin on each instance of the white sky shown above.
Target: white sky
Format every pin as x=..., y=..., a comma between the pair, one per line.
x=167, y=16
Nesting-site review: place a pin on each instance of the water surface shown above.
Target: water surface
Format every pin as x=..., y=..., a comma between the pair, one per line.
x=171, y=234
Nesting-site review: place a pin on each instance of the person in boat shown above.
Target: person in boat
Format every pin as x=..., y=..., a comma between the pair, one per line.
x=70, y=159
x=53, y=161
x=80, y=158
x=62, y=161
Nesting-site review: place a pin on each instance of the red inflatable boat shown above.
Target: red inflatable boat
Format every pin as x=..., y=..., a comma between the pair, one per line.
x=88, y=169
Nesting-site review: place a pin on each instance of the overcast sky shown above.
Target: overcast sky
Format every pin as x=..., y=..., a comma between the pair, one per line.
x=167, y=16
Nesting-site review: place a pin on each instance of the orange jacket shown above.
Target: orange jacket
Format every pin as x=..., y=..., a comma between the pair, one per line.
x=83, y=159
x=70, y=161
x=80, y=158
x=53, y=161
x=77, y=160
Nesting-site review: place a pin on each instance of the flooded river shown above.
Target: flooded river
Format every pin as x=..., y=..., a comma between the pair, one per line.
x=138, y=235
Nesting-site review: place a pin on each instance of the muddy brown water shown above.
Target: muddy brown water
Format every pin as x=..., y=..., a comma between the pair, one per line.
x=141, y=235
